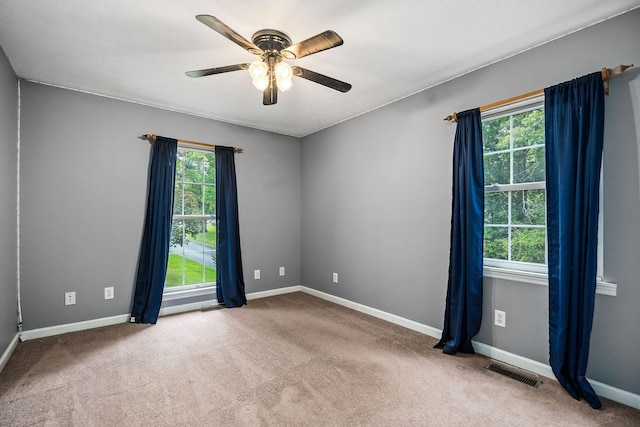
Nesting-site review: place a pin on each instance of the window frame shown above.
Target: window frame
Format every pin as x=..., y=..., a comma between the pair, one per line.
x=190, y=290
x=532, y=273
x=509, y=110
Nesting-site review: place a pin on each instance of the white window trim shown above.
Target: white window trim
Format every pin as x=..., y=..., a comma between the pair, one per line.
x=208, y=288
x=541, y=279
x=503, y=272
x=493, y=188
x=194, y=217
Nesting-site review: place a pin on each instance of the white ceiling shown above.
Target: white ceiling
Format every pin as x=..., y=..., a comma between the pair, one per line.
x=138, y=50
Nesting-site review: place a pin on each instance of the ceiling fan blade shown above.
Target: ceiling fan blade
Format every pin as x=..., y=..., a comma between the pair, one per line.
x=315, y=44
x=321, y=79
x=217, y=70
x=270, y=95
x=222, y=28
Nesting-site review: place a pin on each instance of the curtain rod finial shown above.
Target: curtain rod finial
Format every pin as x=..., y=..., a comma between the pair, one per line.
x=621, y=68
x=149, y=137
x=608, y=72
x=451, y=117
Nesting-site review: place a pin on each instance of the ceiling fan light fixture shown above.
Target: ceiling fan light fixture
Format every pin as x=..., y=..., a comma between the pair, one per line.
x=283, y=71
x=261, y=83
x=284, y=84
x=284, y=76
x=258, y=69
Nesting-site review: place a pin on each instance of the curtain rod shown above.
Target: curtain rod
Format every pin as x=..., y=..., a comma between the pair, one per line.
x=606, y=75
x=152, y=137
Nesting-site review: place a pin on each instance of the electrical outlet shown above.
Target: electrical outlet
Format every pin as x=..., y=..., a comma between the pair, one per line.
x=500, y=318
x=69, y=298
x=108, y=292
x=335, y=277
x=256, y=274
x=282, y=271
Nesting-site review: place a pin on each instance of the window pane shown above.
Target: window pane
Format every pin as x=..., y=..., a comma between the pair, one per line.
x=179, y=164
x=496, y=242
x=178, y=208
x=209, y=235
x=496, y=135
x=193, y=166
x=528, y=207
x=193, y=271
x=190, y=260
x=528, y=165
x=209, y=200
x=177, y=233
x=496, y=207
x=528, y=129
x=210, y=262
x=496, y=169
x=193, y=230
x=174, y=271
x=209, y=168
x=193, y=199
x=527, y=244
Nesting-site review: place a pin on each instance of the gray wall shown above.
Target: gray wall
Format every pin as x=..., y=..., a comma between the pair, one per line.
x=84, y=174
x=376, y=202
x=8, y=136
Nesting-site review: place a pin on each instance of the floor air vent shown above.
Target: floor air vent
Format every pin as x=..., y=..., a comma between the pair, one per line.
x=508, y=371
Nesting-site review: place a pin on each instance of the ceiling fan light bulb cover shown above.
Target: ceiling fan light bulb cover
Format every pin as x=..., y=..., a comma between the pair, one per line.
x=284, y=84
x=261, y=83
x=283, y=71
x=258, y=69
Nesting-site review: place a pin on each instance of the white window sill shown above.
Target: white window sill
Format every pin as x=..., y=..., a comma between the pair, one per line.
x=602, y=288
x=189, y=293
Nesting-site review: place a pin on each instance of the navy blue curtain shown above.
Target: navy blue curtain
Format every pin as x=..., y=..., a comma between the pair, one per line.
x=574, y=128
x=154, y=250
x=229, y=277
x=463, y=311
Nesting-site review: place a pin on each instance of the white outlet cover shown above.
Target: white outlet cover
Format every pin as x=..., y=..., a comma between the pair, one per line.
x=69, y=298
x=335, y=277
x=500, y=318
x=282, y=271
x=108, y=292
x=256, y=274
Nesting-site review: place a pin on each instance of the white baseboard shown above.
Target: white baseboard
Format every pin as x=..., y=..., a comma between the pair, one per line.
x=616, y=394
x=409, y=324
x=124, y=318
x=182, y=308
x=273, y=292
x=601, y=389
x=9, y=351
x=50, y=331
x=514, y=359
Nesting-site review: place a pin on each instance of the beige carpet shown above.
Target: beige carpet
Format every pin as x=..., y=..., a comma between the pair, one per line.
x=286, y=360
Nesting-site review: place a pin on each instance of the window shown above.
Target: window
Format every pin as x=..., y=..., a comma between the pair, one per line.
x=515, y=208
x=193, y=233
x=514, y=174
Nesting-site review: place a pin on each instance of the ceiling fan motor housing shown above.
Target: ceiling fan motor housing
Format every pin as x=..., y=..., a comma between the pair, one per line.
x=272, y=42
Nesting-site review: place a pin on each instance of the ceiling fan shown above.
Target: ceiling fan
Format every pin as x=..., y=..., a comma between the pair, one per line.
x=271, y=72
